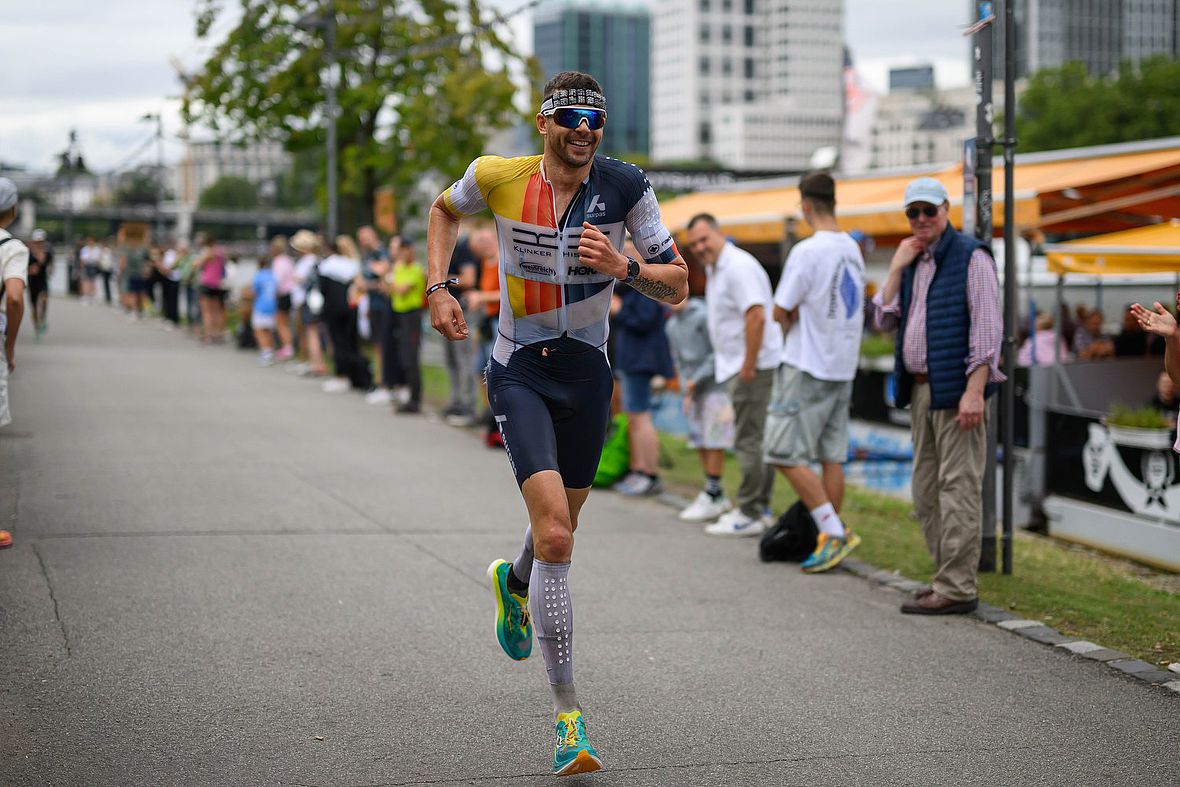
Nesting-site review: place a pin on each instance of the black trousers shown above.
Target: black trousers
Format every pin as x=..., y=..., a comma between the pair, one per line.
x=171, y=300
x=408, y=333
x=385, y=336
x=340, y=320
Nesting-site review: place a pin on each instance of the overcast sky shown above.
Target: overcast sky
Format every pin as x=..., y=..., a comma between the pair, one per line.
x=99, y=67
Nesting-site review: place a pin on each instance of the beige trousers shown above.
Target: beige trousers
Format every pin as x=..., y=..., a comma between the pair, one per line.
x=948, y=493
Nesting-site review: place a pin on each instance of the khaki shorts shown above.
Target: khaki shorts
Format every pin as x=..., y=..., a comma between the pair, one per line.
x=807, y=420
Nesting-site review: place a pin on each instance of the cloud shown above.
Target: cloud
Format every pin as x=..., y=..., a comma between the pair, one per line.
x=98, y=67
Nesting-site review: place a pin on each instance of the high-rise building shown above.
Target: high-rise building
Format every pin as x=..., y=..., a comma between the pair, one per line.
x=750, y=84
x=612, y=43
x=1099, y=33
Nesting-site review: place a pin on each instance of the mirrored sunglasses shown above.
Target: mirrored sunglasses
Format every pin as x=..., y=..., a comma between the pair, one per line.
x=572, y=117
x=929, y=211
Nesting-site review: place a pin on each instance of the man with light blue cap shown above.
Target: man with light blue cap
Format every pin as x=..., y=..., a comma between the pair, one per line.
x=942, y=295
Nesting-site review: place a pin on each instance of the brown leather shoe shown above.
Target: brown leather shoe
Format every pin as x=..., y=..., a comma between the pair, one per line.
x=921, y=593
x=935, y=604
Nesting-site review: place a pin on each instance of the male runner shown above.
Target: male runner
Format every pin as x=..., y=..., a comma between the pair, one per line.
x=561, y=218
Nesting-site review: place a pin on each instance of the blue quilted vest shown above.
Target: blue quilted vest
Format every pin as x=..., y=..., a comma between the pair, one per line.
x=948, y=324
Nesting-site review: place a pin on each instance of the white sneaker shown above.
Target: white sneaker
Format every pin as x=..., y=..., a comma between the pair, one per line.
x=379, y=396
x=336, y=385
x=299, y=368
x=705, y=508
x=401, y=395
x=735, y=524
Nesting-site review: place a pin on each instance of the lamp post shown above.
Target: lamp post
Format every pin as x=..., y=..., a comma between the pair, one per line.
x=327, y=21
x=71, y=163
x=159, y=120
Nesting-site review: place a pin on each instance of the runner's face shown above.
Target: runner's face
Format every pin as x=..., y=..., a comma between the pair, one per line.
x=574, y=146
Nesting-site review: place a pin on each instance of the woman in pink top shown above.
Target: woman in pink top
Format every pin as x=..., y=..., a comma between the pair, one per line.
x=1038, y=349
x=210, y=264
x=283, y=268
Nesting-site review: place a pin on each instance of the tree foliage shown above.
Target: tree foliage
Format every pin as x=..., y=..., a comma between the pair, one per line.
x=140, y=186
x=230, y=191
x=1067, y=107
x=421, y=86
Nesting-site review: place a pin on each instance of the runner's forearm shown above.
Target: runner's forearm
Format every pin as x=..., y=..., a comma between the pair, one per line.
x=665, y=281
x=442, y=232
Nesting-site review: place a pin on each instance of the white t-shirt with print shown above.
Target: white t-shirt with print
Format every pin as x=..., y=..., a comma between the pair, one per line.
x=735, y=284
x=824, y=278
x=14, y=264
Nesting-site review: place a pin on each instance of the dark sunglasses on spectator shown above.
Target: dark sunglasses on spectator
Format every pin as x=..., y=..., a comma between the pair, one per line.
x=929, y=211
x=571, y=117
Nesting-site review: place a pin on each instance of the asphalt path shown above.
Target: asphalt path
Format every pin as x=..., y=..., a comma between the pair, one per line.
x=223, y=576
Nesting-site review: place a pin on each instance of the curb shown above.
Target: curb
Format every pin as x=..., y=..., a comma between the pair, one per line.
x=1033, y=630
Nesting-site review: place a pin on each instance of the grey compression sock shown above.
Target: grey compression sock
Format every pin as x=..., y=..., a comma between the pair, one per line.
x=522, y=567
x=553, y=620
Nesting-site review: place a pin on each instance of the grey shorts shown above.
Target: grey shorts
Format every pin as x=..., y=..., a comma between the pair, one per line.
x=807, y=420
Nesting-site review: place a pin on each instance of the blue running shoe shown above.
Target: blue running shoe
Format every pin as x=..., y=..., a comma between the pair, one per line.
x=513, y=627
x=829, y=551
x=573, y=752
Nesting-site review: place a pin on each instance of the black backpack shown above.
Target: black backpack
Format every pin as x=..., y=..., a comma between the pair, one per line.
x=792, y=538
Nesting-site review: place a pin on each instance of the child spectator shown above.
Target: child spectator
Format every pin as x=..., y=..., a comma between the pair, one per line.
x=263, y=316
x=706, y=403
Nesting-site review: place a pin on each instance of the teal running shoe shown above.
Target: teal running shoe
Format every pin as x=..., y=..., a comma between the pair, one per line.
x=573, y=752
x=829, y=551
x=513, y=627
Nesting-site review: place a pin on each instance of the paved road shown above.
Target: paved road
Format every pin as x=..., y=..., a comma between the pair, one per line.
x=223, y=576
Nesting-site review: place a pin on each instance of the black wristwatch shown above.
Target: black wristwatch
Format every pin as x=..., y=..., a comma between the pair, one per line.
x=632, y=270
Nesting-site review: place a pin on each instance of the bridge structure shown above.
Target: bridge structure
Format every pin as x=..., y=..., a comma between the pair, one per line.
x=173, y=219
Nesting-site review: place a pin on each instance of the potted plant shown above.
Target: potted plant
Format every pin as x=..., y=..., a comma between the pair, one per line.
x=1139, y=427
x=876, y=353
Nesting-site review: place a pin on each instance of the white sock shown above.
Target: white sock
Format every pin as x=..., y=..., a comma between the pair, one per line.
x=828, y=521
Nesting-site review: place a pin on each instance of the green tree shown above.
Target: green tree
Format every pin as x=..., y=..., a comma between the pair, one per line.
x=140, y=186
x=1067, y=107
x=229, y=191
x=418, y=92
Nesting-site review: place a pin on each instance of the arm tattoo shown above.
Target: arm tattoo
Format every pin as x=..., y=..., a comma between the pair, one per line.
x=653, y=289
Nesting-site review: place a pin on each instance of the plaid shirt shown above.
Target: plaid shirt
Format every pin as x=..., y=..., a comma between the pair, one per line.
x=983, y=300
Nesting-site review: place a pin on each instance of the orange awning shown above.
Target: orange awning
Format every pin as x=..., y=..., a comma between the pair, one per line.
x=1154, y=249
x=1064, y=191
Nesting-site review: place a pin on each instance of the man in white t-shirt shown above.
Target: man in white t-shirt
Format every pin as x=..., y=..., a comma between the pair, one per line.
x=14, y=277
x=747, y=346
x=820, y=304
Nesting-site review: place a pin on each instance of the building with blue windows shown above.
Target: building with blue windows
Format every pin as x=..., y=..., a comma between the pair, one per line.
x=612, y=43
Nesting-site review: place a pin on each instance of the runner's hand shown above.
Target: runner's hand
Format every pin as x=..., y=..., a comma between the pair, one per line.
x=596, y=250
x=1160, y=322
x=11, y=360
x=447, y=317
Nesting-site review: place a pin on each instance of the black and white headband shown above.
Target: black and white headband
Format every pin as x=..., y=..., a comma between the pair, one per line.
x=573, y=97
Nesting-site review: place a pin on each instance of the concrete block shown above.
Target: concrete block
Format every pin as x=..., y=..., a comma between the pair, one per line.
x=1013, y=625
x=1079, y=646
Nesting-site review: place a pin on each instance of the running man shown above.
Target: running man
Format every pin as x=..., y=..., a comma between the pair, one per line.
x=561, y=218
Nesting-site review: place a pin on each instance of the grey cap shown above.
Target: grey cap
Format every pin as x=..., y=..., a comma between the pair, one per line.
x=38, y=235
x=925, y=190
x=7, y=194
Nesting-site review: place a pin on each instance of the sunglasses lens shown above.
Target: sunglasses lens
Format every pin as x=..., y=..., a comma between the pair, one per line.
x=572, y=118
x=929, y=212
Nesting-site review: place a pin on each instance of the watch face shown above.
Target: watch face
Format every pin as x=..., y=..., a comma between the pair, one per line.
x=632, y=268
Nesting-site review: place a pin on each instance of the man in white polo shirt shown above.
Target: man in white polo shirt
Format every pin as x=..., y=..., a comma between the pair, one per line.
x=820, y=304
x=747, y=346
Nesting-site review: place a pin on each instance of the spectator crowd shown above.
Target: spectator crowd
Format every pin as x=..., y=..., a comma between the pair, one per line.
x=764, y=372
